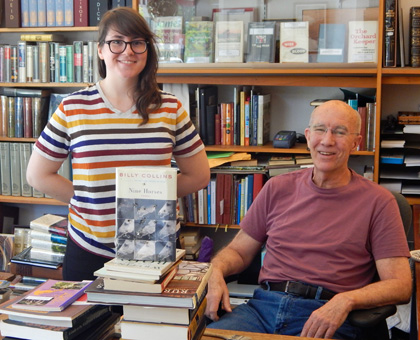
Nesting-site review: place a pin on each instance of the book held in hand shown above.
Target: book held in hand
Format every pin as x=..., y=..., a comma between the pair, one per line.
x=146, y=213
x=53, y=295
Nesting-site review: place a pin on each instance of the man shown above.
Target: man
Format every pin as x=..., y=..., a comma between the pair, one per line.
x=327, y=231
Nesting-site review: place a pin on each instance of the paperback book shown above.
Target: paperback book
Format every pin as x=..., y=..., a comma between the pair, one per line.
x=229, y=42
x=146, y=213
x=363, y=41
x=186, y=289
x=53, y=295
x=261, y=41
x=294, y=42
x=50, y=223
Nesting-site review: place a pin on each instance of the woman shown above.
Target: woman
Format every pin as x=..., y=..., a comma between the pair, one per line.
x=123, y=120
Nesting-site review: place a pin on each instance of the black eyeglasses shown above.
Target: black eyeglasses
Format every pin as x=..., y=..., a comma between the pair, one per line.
x=119, y=46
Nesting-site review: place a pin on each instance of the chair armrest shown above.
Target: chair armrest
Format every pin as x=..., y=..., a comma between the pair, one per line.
x=366, y=318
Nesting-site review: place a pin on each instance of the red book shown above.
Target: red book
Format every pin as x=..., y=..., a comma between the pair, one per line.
x=81, y=13
x=258, y=184
x=362, y=112
x=27, y=117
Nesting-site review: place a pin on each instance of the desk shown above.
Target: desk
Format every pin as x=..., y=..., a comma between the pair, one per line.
x=251, y=336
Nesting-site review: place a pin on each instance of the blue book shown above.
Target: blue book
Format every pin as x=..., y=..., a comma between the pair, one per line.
x=254, y=133
x=42, y=13
x=50, y=9
x=331, y=43
x=59, y=12
x=33, y=13
x=24, y=12
x=68, y=13
x=238, y=215
x=250, y=190
x=353, y=103
x=63, y=64
x=19, y=117
x=209, y=203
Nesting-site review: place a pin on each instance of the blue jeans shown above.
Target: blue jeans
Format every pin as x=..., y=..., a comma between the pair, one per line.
x=276, y=313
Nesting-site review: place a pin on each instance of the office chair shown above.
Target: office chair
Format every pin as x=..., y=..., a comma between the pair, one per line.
x=373, y=321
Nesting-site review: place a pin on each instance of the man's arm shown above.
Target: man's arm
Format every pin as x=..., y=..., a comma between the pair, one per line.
x=233, y=259
x=394, y=287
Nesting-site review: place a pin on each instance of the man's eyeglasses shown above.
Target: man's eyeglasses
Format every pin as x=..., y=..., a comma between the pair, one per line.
x=119, y=46
x=337, y=132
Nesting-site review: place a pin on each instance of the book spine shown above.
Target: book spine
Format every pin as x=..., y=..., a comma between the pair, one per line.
x=48, y=245
x=7, y=63
x=42, y=13
x=25, y=153
x=50, y=8
x=29, y=63
x=35, y=192
x=59, y=12
x=69, y=63
x=91, y=53
x=78, y=61
x=24, y=7
x=390, y=33
x=11, y=120
x=68, y=13
x=44, y=62
x=81, y=14
x=57, y=61
x=4, y=122
x=46, y=236
x=21, y=46
x=2, y=64
x=19, y=117
x=13, y=64
x=27, y=117
x=52, y=61
x=12, y=13
x=63, y=64
x=6, y=181
x=36, y=77
x=33, y=13
x=96, y=11
x=415, y=36
x=85, y=67
x=37, y=117
x=46, y=255
x=15, y=169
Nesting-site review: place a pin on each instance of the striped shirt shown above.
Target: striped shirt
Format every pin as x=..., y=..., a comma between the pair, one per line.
x=101, y=138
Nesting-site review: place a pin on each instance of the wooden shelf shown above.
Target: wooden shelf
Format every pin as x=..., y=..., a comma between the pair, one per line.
x=41, y=30
x=219, y=227
x=30, y=200
x=44, y=85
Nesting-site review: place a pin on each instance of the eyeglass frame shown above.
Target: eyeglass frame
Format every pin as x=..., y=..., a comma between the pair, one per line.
x=108, y=42
x=322, y=131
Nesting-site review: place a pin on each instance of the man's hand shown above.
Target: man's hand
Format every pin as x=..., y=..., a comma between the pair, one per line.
x=324, y=321
x=217, y=292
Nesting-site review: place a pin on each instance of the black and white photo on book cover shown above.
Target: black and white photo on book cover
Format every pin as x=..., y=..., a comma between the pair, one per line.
x=146, y=213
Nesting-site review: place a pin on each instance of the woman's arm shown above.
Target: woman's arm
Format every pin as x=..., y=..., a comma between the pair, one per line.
x=42, y=175
x=194, y=173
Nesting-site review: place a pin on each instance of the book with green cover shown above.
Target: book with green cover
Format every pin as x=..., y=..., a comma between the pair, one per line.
x=199, y=42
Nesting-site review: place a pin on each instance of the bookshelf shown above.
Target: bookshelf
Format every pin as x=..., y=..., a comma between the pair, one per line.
x=274, y=76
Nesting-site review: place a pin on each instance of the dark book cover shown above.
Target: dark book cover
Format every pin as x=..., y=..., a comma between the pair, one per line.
x=12, y=13
x=414, y=42
x=261, y=41
x=25, y=258
x=208, y=96
x=211, y=112
x=390, y=33
x=97, y=9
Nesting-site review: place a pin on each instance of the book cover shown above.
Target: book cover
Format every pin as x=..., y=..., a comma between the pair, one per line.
x=59, y=12
x=199, y=42
x=143, y=267
x=38, y=254
x=363, y=42
x=21, y=45
x=12, y=13
x=24, y=13
x=186, y=289
x=25, y=258
x=27, y=117
x=50, y=223
x=69, y=317
x=44, y=61
x=294, y=42
x=15, y=169
x=140, y=287
x=47, y=236
x=68, y=13
x=331, y=43
x=146, y=213
x=81, y=13
x=229, y=42
x=48, y=245
x=33, y=13
x=390, y=34
x=168, y=30
x=261, y=41
x=6, y=180
x=13, y=64
x=208, y=96
x=19, y=117
x=42, y=13
x=136, y=277
x=50, y=9
x=192, y=331
x=53, y=295
x=25, y=154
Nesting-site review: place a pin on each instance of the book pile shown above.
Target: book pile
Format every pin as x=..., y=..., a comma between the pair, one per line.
x=170, y=307
x=53, y=311
x=48, y=239
x=191, y=242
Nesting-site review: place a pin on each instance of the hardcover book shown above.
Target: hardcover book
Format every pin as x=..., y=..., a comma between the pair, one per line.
x=168, y=30
x=363, y=41
x=186, y=289
x=294, y=42
x=146, y=213
x=199, y=42
x=390, y=33
x=6, y=180
x=50, y=223
x=53, y=295
x=6, y=247
x=331, y=43
x=261, y=42
x=25, y=258
x=81, y=14
x=229, y=42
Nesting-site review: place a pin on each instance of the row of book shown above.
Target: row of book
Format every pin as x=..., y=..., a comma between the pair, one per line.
x=225, y=200
x=394, y=45
x=14, y=158
x=243, y=121
x=34, y=61
x=53, y=13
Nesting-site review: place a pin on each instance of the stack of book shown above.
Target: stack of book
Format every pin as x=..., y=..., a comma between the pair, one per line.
x=191, y=242
x=51, y=311
x=48, y=244
x=176, y=313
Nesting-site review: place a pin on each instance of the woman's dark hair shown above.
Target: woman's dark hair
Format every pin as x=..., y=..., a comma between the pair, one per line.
x=128, y=22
